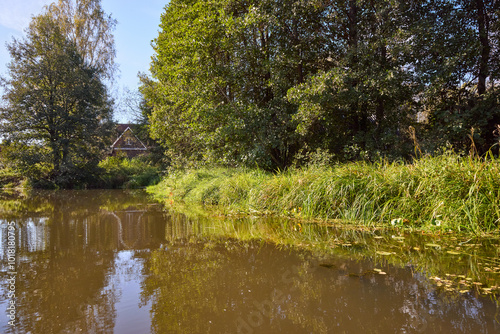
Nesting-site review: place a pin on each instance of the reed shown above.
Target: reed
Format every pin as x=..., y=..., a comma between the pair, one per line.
x=445, y=192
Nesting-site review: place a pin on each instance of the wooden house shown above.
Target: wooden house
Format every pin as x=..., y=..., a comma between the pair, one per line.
x=127, y=142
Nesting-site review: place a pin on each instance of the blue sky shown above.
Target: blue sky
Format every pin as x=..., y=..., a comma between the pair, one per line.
x=138, y=23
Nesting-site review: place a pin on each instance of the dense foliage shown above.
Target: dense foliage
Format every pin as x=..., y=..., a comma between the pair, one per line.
x=122, y=172
x=266, y=83
x=56, y=120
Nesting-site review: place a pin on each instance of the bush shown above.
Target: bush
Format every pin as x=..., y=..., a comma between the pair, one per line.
x=121, y=172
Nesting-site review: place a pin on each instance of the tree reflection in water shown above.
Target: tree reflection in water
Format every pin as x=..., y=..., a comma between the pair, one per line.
x=79, y=250
x=67, y=245
x=227, y=286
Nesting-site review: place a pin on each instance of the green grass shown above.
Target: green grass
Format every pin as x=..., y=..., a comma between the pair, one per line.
x=121, y=172
x=446, y=192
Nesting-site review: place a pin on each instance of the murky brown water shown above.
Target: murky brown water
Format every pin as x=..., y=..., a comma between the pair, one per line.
x=115, y=262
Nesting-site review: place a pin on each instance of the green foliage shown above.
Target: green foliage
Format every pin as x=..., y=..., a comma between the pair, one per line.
x=267, y=83
x=121, y=172
x=442, y=192
x=90, y=29
x=57, y=117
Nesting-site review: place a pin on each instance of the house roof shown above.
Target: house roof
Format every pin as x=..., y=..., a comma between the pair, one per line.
x=123, y=126
x=127, y=140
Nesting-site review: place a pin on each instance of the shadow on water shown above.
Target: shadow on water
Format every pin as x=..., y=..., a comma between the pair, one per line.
x=115, y=262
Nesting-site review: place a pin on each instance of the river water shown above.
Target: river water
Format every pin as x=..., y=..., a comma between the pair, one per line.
x=117, y=262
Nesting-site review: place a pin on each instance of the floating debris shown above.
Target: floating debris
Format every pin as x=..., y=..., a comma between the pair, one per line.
x=383, y=253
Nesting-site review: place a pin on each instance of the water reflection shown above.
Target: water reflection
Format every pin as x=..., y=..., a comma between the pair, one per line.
x=67, y=246
x=229, y=287
x=114, y=262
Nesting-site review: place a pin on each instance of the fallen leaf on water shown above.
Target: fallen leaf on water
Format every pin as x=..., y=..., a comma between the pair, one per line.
x=384, y=253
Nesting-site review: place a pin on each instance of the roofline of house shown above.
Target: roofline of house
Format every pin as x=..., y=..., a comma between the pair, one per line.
x=128, y=128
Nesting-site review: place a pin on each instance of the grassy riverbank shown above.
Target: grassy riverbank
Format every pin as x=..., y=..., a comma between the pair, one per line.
x=446, y=192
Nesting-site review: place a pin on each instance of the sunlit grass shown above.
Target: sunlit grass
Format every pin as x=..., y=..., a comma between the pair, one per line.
x=121, y=172
x=446, y=192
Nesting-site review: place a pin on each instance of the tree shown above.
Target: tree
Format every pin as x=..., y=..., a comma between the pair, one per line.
x=220, y=75
x=57, y=110
x=86, y=24
x=260, y=82
x=460, y=61
x=362, y=104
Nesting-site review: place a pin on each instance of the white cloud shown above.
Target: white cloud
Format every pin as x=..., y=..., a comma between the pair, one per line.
x=16, y=14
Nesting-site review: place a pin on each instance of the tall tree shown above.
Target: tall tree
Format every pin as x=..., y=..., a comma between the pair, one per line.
x=361, y=104
x=57, y=111
x=86, y=24
x=220, y=76
x=458, y=64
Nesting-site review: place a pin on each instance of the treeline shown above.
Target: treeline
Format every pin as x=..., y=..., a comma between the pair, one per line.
x=277, y=83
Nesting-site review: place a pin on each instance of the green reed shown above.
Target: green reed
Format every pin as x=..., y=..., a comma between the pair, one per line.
x=445, y=192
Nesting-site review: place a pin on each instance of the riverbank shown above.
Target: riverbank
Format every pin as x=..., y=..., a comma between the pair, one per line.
x=443, y=193
x=117, y=172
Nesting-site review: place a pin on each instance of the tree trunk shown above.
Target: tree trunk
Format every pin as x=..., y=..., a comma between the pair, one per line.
x=482, y=21
x=353, y=25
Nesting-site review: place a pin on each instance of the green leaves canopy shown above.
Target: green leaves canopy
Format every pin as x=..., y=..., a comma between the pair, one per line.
x=57, y=110
x=263, y=82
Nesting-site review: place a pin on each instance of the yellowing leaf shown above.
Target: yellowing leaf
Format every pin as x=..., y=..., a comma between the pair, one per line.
x=383, y=253
x=453, y=252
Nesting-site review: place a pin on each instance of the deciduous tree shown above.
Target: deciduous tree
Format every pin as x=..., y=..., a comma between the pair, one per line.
x=57, y=110
x=86, y=24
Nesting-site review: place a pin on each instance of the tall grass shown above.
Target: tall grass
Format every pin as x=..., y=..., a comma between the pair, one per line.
x=443, y=192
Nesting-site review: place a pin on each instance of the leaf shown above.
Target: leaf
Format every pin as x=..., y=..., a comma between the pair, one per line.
x=383, y=253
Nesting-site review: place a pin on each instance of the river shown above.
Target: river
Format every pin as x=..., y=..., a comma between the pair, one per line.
x=115, y=261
